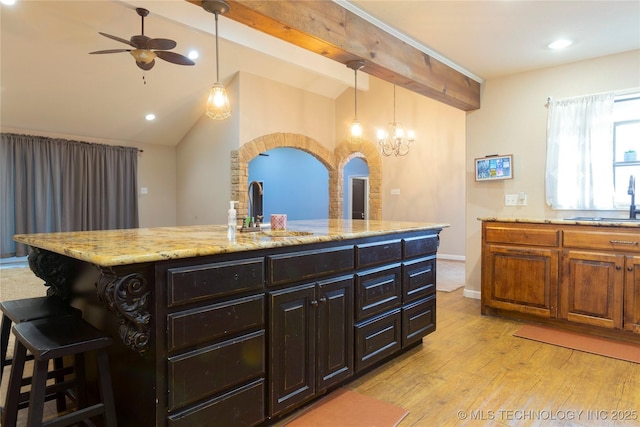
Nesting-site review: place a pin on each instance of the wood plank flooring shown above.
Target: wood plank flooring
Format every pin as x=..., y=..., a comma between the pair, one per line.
x=473, y=371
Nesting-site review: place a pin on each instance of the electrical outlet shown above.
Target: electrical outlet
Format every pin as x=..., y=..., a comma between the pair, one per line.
x=519, y=199
x=511, y=200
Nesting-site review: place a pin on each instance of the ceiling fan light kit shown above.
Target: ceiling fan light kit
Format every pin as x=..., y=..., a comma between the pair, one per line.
x=145, y=49
x=218, y=106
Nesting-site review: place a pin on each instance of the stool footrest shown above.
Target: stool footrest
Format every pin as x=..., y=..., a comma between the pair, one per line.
x=76, y=417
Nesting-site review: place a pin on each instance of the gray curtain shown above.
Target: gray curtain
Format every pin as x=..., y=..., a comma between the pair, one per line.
x=50, y=185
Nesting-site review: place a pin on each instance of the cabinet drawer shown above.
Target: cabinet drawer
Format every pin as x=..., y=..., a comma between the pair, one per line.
x=210, y=370
x=214, y=321
x=418, y=320
x=418, y=246
x=378, y=290
x=377, y=338
x=627, y=242
x=308, y=264
x=241, y=407
x=418, y=279
x=522, y=235
x=378, y=253
x=200, y=282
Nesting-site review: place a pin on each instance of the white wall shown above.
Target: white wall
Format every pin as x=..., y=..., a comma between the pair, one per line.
x=259, y=107
x=512, y=119
x=431, y=178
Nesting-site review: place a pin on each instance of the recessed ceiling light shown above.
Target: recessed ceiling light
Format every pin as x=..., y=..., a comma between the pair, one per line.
x=8, y=2
x=560, y=44
x=150, y=117
x=193, y=54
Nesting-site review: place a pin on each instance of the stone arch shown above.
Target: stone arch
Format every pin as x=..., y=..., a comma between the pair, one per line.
x=333, y=161
x=367, y=151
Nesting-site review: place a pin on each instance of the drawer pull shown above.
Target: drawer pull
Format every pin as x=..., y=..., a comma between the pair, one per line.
x=623, y=242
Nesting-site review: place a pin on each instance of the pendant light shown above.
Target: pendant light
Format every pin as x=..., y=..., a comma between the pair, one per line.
x=218, y=107
x=393, y=141
x=355, y=135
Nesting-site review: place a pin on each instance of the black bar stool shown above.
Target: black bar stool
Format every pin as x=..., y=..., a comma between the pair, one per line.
x=52, y=338
x=24, y=310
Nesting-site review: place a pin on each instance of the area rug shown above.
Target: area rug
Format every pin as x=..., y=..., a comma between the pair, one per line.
x=347, y=408
x=587, y=343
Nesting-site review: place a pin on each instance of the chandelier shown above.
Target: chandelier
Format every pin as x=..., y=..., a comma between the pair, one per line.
x=392, y=140
x=218, y=107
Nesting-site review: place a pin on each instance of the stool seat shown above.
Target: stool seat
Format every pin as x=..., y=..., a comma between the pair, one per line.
x=23, y=310
x=52, y=338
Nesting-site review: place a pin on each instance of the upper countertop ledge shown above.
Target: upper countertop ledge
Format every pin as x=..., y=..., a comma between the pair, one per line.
x=131, y=246
x=594, y=221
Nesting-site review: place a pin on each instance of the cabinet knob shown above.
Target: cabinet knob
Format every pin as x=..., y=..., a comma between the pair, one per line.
x=323, y=299
x=314, y=303
x=618, y=267
x=630, y=268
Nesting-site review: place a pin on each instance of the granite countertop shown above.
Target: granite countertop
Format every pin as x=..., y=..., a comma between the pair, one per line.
x=593, y=221
x=131, y=246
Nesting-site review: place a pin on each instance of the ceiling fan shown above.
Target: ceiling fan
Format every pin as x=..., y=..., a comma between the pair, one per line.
x=146, y=49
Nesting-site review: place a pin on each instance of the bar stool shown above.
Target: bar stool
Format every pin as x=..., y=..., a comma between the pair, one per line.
x=24, y=310
x=48, y=339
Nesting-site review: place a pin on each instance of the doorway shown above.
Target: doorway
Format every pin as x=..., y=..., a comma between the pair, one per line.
x=359, y=194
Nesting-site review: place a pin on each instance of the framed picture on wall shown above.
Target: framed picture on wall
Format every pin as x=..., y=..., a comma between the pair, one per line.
x=494, y=167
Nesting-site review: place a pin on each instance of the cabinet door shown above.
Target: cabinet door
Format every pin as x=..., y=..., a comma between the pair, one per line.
x=292, y=351
x=591, y=291
x=334, y=358
x=520, y=279
x=632, y=295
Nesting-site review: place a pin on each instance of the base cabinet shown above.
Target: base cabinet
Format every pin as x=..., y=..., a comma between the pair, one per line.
x=592, y=287
x=577, y=276
x=311, y=345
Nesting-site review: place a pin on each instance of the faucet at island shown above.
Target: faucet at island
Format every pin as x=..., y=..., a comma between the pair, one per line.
x=253, y=221
x=632, y=192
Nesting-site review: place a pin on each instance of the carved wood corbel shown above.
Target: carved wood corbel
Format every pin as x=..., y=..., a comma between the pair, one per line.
x=127, y=297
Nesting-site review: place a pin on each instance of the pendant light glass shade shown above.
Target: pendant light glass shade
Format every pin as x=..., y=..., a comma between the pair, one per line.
x=355, y=132
x=218, y=106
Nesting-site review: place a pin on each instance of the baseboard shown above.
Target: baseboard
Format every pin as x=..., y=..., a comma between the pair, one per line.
x=471, y=294
x=451, y=257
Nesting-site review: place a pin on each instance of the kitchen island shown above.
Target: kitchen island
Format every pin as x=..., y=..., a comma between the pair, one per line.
x=244, y=330
x=580, y=274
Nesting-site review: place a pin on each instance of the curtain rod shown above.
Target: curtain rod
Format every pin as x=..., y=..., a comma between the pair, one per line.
x=615, y=92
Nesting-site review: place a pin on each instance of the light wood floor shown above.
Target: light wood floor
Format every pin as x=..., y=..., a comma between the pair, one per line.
x=473, y=372
x=473, y=367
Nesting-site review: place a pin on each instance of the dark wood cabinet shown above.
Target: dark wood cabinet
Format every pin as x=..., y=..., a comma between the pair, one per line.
x=311, y=346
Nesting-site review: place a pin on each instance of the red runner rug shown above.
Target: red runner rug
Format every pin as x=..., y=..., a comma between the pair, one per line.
x=582, y=342
x=347, y=408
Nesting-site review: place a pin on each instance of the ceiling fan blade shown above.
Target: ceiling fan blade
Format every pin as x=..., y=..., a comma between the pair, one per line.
x=116, y=38
x=110, y=51
x=140, y=42
x=146, y=66
x=174, y=58
x=161, y=44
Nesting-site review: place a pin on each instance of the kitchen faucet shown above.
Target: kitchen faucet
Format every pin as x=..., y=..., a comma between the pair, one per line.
x=252, y=219
x=632, y=192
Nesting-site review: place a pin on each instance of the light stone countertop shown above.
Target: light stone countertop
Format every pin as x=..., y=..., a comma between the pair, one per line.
x=604, y=222
x=131, y=246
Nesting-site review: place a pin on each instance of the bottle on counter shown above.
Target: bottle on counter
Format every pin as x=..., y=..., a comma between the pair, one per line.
x=231, y=221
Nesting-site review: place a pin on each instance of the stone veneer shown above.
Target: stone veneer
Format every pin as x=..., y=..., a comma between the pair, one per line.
x=334, y=162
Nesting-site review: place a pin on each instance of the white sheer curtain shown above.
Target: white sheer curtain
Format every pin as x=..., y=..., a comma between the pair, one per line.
x=580, y=153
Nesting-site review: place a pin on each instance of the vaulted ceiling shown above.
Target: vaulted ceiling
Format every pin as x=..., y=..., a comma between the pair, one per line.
x=51, y=84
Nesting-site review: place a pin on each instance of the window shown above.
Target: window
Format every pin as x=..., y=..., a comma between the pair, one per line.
x=626, y=146
x=591, y=141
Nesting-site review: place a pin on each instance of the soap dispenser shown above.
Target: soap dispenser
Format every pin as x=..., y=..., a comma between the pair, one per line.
x=231, y=220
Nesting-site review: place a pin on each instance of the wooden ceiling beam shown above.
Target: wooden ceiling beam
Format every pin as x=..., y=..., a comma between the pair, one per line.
x=326, y=28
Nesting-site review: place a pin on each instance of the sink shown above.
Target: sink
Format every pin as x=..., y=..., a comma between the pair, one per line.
x=284, y=233
x=602, y=219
